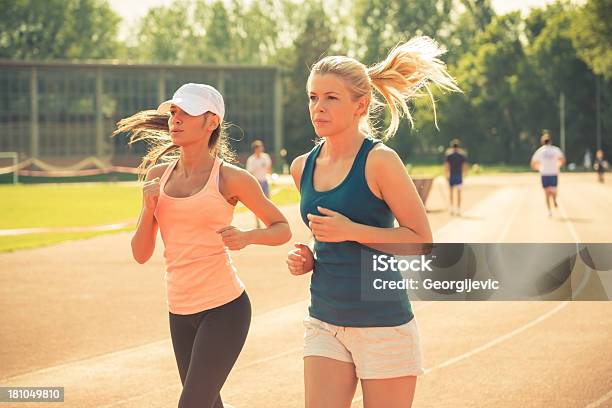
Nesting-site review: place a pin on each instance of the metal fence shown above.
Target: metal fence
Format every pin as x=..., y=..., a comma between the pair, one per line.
x=63, y=111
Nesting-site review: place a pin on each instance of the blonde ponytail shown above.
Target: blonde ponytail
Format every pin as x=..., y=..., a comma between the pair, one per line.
x=408, y=68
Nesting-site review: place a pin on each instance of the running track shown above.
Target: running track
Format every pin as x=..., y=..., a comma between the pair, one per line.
x=84, y=316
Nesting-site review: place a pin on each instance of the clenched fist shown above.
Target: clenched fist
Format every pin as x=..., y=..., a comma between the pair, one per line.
x=234, y=238
x=300, y=260
x=150, y=194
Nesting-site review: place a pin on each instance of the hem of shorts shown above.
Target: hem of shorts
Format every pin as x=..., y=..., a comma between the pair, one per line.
x=349, y=324
x=203, y=307
x=408, y=372
x=327, y=355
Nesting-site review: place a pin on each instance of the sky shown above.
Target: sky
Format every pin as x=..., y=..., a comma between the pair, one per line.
x=132, y=10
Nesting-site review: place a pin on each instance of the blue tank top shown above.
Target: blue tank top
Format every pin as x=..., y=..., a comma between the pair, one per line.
x=335, y=286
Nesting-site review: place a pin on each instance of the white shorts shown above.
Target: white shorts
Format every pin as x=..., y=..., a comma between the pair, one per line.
x=376, y=352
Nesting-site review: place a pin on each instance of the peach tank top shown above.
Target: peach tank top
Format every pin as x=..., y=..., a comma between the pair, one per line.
x=200, y=274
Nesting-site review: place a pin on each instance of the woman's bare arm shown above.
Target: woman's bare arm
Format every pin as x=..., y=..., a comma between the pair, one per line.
x=143, y=241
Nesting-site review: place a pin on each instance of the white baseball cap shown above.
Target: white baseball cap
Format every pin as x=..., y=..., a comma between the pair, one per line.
x=196, y=99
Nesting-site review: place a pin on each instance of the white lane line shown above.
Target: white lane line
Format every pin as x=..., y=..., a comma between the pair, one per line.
x=288, y=352
x=524, y=327
x=510, y=220
x=569, y=224
x=171, y=386
x=600, y=401
x=499, y=339
x=456, y=359
x=242, y=367
x=154, y=346
x=263, y=360
x=521, y=329
x=491, y=343
x=567, y=221
x=161, y=345
x=87, y=361
x=480, y=220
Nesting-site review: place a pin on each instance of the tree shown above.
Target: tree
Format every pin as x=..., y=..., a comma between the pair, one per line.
x=560, y=70
x=380, y=24
x=474, y=19
x=218, y=43
x=256, y=32
x=488, y=114
x=211, y=32
x=316, y=37
x=58, y=29
x=592, y=36
x=165, y=34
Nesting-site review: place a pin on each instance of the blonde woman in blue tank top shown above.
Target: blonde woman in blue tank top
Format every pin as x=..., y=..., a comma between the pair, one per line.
x=352, y=189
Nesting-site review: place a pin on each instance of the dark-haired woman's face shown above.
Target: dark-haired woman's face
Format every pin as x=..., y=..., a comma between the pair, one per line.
x=186, y=129
x=331, y=105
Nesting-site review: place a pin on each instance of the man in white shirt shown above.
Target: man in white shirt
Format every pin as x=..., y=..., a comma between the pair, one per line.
x=259, y=165
x=548, y=159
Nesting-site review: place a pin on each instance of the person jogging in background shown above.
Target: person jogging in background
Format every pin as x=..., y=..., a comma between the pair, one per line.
x=352, y=189
x=259, y=165
x=548, y=160
x=455, y=169
x=190, y=197
x=601, y=165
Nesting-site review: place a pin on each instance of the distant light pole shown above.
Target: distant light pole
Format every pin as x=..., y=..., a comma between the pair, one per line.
x=562, y=117
x=598, y=111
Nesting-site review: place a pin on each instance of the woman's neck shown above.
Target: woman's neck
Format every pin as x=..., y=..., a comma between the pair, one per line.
x=343, y=145
x=195, y=159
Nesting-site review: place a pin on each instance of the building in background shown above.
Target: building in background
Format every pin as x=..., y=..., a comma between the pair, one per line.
x=62, y=112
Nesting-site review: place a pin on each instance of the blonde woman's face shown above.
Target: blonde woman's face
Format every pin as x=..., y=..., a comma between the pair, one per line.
x=186, y=129
x=331, y=105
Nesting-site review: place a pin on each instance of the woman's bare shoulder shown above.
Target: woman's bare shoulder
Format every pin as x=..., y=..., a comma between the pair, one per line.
x=156, y=171
x=383, y=155
x=231, y=173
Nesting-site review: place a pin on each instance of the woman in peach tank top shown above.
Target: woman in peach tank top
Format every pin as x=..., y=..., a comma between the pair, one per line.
x=191, y=198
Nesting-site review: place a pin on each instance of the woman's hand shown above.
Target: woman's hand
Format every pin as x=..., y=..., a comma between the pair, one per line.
x=331, y=227
x=300, y=260
x=234, y=238
x=150, y=194
x=239, y=183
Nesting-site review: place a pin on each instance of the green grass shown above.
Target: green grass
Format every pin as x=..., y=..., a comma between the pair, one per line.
x=285, y=195
x=422, y=170
x=78, y=205
x=67, y=205
x=281, y=195
x=8, y=178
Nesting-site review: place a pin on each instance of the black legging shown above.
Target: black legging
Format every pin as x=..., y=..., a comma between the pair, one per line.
x=206, y=346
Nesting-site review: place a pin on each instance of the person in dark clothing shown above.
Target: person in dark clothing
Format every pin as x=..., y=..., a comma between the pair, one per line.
x=601, y=165
x=455, y=168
